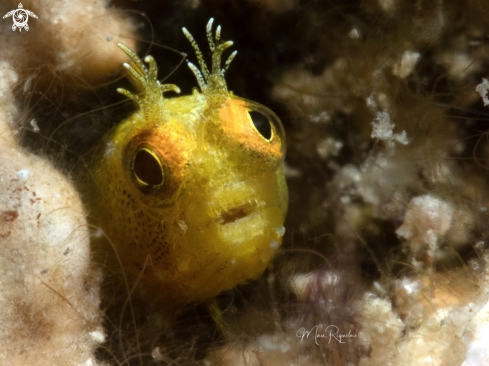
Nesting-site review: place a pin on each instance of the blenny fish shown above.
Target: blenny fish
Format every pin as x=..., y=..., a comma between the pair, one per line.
x=192, y=191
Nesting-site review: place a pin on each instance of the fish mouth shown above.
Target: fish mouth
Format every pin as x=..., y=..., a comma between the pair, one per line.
x=238, y=212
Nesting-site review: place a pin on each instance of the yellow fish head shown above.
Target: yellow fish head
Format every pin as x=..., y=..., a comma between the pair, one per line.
x=193, y=194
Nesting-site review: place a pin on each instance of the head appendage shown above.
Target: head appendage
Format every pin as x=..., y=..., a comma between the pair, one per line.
x=153, y=89
x=213, y=81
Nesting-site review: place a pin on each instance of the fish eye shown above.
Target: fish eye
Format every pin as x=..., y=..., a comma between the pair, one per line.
x=147, y=168
x=261, y=124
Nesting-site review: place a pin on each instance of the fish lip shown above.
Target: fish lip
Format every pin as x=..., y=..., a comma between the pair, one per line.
x=239, y=211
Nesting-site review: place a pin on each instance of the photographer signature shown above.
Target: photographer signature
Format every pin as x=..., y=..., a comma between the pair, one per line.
x=330, y=332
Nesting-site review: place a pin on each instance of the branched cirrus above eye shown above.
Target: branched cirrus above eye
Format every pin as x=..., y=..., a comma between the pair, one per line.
x=261, y=124
x=147, y=168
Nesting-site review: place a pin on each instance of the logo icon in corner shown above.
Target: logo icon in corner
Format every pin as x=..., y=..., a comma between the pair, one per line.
x=20, y=17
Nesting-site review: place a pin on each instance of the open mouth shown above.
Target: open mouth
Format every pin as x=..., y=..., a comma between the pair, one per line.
x=233, y=214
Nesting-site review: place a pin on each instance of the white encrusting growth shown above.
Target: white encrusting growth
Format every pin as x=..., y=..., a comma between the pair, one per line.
x=482, y=89
x=431, y=222
x=478, y=350
x=406, y=64
x=383, y=129
x=23, y=174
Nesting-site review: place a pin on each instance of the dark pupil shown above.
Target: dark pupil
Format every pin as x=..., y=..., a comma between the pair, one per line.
x=262, y=124
x=147, y=168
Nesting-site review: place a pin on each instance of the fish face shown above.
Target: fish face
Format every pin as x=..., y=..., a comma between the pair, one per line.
x=192, y=190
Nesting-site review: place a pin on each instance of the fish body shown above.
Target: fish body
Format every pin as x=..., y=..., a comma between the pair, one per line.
x=192, y=191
